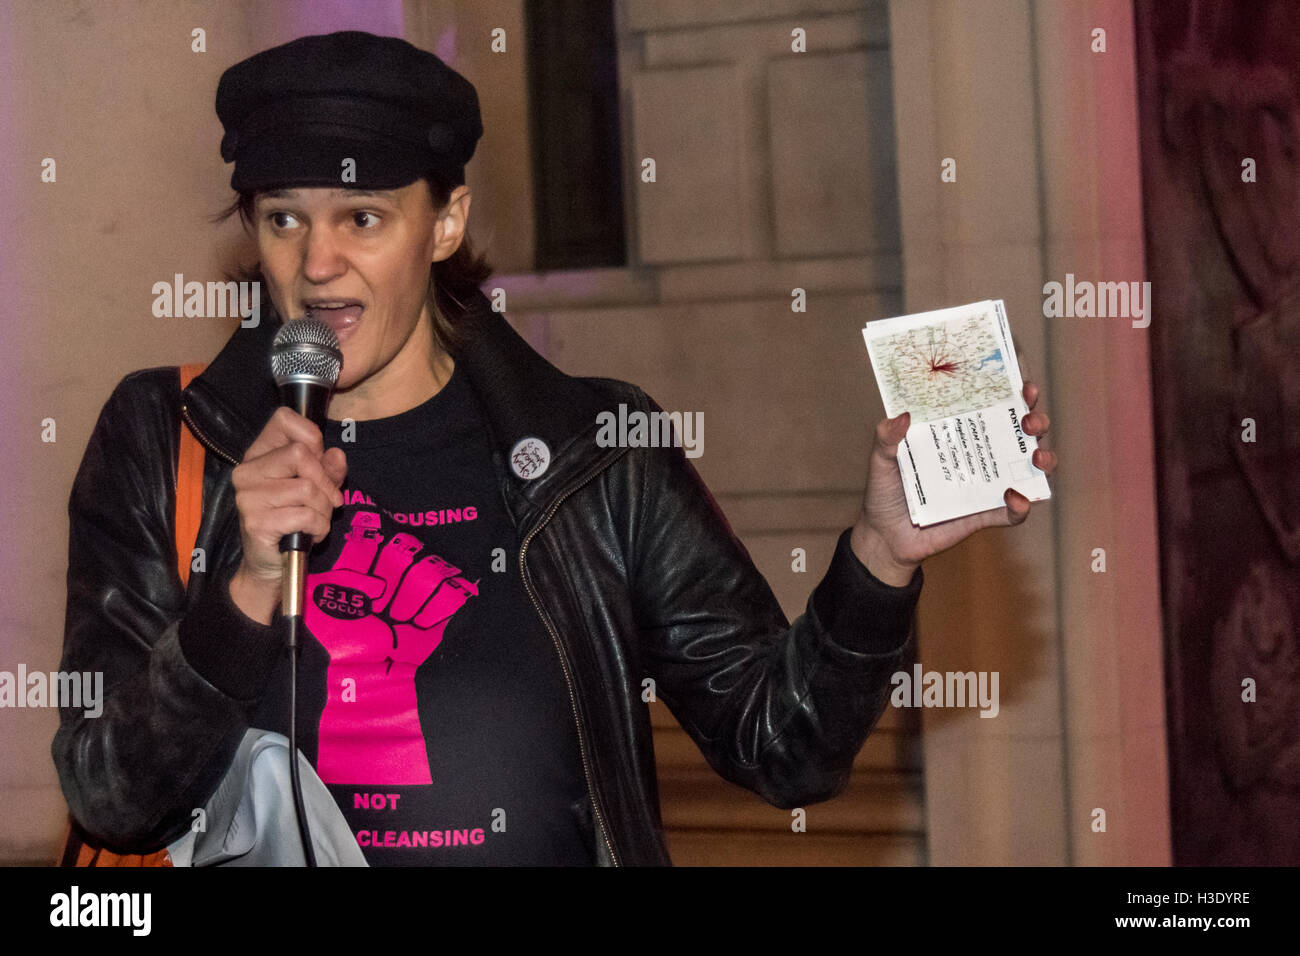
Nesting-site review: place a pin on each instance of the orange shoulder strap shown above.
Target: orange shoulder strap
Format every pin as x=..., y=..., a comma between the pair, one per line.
x=189, y=487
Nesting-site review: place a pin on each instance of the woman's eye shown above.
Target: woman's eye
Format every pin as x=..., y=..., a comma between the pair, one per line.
x=365, y=220
x=276, y=217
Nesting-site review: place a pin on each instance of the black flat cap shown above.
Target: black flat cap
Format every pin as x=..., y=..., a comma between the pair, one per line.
x=294, y=113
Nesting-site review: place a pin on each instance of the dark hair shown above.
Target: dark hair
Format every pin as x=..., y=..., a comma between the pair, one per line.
x=452, y=282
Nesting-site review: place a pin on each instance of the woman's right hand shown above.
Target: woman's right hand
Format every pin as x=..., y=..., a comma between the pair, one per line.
x=287, y=482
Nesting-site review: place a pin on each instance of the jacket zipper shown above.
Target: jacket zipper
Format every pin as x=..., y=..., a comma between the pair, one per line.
x=203, y=438
x=555, y=639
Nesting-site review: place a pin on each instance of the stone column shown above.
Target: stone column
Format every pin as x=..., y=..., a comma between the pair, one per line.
x=1044, y=134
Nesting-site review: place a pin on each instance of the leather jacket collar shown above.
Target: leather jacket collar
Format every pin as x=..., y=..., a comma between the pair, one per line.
x=522, y=393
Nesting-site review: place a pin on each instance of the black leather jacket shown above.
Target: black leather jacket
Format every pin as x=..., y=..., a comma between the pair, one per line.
x=629, y=562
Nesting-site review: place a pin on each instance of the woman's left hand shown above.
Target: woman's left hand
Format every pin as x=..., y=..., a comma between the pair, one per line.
x=884, y=538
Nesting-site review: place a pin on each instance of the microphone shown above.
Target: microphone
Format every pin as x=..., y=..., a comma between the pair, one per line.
x=305, y=362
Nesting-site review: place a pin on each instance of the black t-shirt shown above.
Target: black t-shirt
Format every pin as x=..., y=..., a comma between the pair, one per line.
x=432, y=701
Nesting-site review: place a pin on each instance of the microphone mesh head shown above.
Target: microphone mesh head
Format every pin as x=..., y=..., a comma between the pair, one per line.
x=306, y=349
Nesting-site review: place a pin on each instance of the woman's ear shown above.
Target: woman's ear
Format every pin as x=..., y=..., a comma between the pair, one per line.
x=449, y=230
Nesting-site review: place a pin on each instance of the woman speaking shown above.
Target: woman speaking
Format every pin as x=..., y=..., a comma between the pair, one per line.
x=490, y=587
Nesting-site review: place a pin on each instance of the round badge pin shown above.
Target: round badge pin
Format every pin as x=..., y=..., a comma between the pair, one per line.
x=530, y=458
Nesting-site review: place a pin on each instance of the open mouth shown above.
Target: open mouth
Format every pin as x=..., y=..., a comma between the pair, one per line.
x=342, y=315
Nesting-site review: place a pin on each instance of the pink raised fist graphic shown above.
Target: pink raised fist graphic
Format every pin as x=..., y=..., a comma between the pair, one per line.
x=380, y=613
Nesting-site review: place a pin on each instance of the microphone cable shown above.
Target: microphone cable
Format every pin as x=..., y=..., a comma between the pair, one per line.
x=294, y=779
